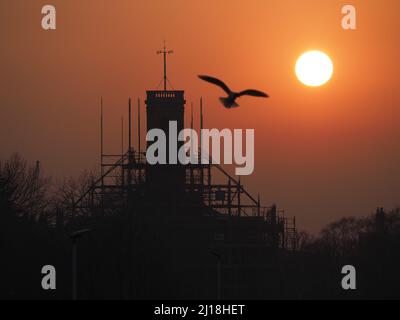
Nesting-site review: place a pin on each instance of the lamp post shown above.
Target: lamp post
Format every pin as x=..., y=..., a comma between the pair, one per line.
x=74, y=238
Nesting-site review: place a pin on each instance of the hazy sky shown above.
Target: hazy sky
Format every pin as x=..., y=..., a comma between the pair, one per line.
x=321, y=153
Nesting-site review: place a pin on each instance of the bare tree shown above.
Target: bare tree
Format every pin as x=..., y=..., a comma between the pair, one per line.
x=23, y=189
x=305, y=240
x=341, y=238
x=69, y=191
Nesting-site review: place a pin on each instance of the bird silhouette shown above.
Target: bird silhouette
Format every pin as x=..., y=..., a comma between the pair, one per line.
x=230, y=101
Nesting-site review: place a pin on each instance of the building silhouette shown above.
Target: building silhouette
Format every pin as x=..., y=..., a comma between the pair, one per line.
x=194, y=230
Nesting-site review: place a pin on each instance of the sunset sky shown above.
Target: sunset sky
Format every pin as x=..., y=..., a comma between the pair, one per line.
x=321, y=153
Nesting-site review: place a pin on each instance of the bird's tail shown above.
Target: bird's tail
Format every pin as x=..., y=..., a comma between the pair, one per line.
x=228, y=103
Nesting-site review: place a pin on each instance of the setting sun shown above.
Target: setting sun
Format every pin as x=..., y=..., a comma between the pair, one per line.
x=314, y=68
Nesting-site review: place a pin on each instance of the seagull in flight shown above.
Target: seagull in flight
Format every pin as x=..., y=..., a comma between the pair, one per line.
x=230, y=101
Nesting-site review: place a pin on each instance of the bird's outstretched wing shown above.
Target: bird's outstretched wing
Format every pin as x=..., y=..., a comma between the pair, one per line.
x=254, y=93
x=216, y=82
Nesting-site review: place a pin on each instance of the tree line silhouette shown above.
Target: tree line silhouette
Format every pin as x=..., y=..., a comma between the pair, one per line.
x=36, y=221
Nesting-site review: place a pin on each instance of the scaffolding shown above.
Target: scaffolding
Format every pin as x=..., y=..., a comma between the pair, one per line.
x=124, y=176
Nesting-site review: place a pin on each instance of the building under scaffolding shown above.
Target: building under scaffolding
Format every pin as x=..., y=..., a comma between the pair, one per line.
x=189, y=215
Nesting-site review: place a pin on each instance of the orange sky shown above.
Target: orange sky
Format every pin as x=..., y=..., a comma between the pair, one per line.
x=321, y=153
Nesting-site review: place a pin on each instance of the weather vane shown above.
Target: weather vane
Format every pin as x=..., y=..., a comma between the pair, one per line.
x=165, y=52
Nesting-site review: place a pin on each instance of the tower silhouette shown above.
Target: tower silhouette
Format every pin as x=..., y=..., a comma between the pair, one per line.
x=166, y=182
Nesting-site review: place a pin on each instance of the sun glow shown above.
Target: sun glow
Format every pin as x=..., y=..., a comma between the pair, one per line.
x=314, y=68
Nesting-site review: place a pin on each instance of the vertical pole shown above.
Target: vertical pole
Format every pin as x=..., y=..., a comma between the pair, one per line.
x=129, y=201
x=201, y=141
x=122, y=136
x=258, y=206
x=191, y=127
x=165, y=52
x=122, y=153
x=191, y=147
x=139, y=147
x=130, y=144
x=209, y=184
x=139, y=144
x=101, y=134
x=201, y=126
x=74, y=270
x=165, y=68
x=130, y=125
x=102, y=151
x=209, y=161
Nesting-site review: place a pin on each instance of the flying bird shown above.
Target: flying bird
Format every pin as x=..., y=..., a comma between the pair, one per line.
x=230, y=100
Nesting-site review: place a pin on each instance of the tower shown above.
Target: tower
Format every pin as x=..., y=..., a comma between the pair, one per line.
x=166, y=182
